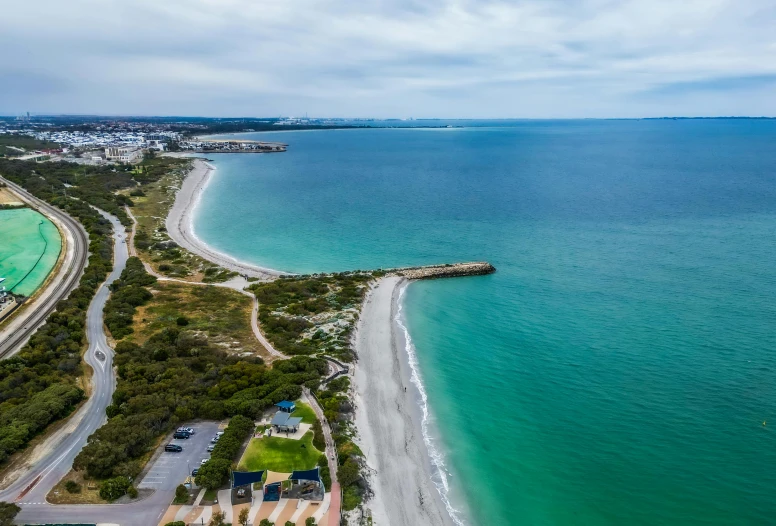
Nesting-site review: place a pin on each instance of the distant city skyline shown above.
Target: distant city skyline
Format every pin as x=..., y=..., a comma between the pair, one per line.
x=380, y=59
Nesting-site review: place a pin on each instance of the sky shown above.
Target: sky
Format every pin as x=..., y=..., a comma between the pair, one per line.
x=397, y=58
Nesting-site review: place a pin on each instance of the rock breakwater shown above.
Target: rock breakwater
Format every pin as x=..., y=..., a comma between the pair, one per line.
x=454, y=270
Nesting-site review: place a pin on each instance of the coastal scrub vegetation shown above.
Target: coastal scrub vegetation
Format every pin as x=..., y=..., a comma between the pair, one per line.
x=61, y=181
x=316, y=315
x=151, y=204
x=177, y=375
x=39, y=385
x=309, y=315
x=15, y=145
x=222, y=314
x=128, y=293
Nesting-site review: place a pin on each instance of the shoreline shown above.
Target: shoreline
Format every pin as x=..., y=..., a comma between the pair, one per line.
x=407, y=473
x=392, y=418
x=180, y=223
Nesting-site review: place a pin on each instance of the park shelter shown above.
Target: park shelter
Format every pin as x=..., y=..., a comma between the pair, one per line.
x=286, y=406
x=306, y=484
x=273, y=486
x=244, y=478
x=285, y=422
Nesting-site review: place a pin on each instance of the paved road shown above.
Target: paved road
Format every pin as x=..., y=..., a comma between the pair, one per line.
x=31, y=316
x=30, y=490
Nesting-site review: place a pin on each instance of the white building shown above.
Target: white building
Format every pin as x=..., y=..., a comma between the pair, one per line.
x=123, y=154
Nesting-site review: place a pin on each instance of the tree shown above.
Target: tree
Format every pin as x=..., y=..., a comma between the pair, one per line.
x=218, y=519
x=213, y=473
x=265, y=522
x=310, y=521
x=243, y=519
x=348, y=473
x=8, y=513
x=114, y=488
x=181, y=494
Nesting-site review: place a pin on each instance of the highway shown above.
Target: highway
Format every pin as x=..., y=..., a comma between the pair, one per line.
x=31, y=315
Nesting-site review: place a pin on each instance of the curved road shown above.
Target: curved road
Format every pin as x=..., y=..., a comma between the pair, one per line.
x=30, y=490
x=32, y=315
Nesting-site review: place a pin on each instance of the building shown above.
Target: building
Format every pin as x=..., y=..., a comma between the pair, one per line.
x=123, y=154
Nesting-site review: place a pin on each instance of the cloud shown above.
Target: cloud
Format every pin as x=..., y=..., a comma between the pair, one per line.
x=434, y=58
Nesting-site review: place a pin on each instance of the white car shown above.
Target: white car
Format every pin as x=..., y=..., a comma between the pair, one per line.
x=204, y=461
x=210, y=448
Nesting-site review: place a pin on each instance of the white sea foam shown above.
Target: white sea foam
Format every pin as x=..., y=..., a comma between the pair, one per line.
x=439, y=474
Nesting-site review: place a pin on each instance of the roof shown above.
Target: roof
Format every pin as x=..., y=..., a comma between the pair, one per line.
x=285, y=419
x=273, y=477
x=243, y=478
x=280, y=418
x=309, y=474
x=285, y=404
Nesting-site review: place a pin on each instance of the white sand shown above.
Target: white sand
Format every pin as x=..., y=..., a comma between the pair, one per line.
x=389, y=421
x=180, y=219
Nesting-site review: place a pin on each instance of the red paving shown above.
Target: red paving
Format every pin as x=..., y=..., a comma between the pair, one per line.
x=334, y=505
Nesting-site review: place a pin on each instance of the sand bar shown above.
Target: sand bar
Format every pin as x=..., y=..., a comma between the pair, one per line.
x=180, y=224
x=388, y=418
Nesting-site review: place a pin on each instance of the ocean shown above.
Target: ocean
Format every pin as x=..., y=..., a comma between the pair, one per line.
x=620, y=367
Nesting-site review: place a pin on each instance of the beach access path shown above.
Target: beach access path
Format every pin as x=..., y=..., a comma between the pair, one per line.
x=388, y=420
x=239, y=283
x=180, y=224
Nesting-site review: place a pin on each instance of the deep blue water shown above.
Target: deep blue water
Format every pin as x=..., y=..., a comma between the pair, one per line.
x=620, y=365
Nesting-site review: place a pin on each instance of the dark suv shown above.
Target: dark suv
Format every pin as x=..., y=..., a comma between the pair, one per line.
x=174, y=448
x=181, y=434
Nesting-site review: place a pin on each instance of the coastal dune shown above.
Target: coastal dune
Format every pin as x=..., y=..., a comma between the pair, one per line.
x=388, y=418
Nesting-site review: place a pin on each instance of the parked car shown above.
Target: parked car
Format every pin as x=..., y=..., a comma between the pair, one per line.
x=211, y=447
x=173, y=448
x=181, y=434
x=194, y=472
x=204, y=461
x=219, y=434
x=214, y=440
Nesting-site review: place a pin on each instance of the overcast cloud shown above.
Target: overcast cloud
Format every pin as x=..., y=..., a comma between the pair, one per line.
x=402, y=58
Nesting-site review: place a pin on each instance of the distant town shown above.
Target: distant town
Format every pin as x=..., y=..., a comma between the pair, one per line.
x=98, y=140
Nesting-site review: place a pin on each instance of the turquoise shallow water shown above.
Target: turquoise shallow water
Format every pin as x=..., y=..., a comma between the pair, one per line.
x=29, y=248
x=619, y=366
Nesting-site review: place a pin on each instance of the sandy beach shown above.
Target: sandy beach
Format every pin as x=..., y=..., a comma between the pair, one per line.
x=180, y=229
x=388, y=418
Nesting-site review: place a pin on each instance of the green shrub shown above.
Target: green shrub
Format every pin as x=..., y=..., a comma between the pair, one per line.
x=114, y=488
x=72, y=486
x=181, y=494
x=132, y=492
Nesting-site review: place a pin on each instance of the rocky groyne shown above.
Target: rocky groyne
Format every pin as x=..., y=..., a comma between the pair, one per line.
x=454, y=270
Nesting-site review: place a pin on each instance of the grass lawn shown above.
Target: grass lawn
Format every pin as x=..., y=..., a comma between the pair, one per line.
x=305, y=412
x=223, y=314
x=280, y=454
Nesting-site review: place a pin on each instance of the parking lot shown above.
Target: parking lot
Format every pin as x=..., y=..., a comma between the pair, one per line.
x=171, y=469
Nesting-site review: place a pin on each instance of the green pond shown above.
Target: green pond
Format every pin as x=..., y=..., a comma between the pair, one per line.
x=29, y=248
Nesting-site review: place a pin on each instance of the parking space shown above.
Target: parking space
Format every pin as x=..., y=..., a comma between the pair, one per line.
x=171, y=469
